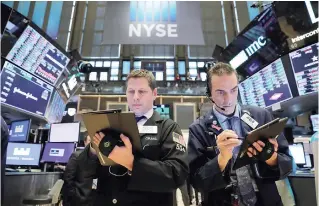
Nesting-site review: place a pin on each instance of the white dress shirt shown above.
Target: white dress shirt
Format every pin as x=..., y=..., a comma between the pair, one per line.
x=147, y=115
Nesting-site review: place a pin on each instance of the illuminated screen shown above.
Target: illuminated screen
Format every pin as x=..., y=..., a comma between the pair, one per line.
x=266, y=87
x=54, y=112
x=35, y=54
x=305, y=66
x=22, y=90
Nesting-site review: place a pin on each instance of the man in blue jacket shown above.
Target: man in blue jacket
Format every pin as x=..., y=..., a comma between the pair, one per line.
x=214, y=142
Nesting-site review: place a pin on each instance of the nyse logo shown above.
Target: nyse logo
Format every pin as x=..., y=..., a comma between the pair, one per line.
x=150, y=16
x=243, y=56
x=56, y=152
x=21, y=151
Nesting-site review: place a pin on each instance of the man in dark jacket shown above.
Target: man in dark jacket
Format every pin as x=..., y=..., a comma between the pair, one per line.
x=77, y=188
x=214, y=145
x=152, y=177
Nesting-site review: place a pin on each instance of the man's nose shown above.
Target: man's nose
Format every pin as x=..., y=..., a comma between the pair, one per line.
x=136, y=96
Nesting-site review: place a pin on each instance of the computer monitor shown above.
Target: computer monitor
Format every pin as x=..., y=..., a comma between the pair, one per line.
x=24, y=91
x=57, y=152
x=305, y=68
x=55, y=109
x=64, y=132
x=35, y=54
x=298, y=153
x=266, y=87
x=19, y=131
x=315, y=122
x=23, y=154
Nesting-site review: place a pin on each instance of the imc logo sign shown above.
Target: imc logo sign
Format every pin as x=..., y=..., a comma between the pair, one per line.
x=153, y=18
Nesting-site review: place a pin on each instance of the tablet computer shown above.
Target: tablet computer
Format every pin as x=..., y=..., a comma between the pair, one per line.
x=121, y=121
x=269, y=130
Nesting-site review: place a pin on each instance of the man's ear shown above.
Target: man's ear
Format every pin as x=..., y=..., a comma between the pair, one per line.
x=154, y=94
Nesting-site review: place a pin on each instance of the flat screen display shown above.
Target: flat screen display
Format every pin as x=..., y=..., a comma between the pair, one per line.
x=305, y=65
x=54, y=112
x=57, y=152
x=262, y=40
x=69, y=86
x=298, y=153
x=23, y=90
x=266, y=87
x=19, y=131
x=65, y=132
x=23, y=154
x=35, y=54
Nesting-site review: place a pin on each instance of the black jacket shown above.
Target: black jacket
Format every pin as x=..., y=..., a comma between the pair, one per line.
x=206, y=175
x=4, y=145
x=77, y=187
x=157, y=172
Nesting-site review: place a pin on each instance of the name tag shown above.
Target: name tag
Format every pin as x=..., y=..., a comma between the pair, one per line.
x=147, y=129
x=249, y=120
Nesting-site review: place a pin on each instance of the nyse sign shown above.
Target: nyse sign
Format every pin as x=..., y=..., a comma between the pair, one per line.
x=153, y=22
x=161, y=30
x=155, y=19
x=243, y=56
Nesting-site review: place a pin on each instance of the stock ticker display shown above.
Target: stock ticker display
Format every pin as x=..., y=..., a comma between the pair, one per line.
x=22, y=90
x=266, y=87
x=55, y=109
x=35, y=54
x=305, y=66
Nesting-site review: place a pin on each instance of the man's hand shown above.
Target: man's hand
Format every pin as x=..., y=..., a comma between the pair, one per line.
x=123, y=155
x=226, y=142
x=259, y=145
x=96, y=141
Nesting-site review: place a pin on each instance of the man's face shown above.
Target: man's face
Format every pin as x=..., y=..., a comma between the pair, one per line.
x=140, y=96
x=224, y=92
x=87, y=141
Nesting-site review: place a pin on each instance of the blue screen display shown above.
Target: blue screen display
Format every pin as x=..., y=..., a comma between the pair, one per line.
x=22, y=90
x=23, y=154
x=19, y=131
x=266, y=87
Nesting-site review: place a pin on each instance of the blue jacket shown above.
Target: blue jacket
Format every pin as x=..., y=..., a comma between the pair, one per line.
x=205, y=174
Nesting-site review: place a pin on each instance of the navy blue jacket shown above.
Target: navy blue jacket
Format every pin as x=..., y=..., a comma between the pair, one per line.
x=205, y=173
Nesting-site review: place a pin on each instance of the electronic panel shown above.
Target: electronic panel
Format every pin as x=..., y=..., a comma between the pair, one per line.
x=266, y=87
x=35, y=54
x=19, y=131
x=22, y=90
x=23, y=154
x=54, y=112
x=305, y=66
x=57, y=152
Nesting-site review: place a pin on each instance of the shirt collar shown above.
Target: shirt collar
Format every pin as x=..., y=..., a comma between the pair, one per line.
x=149, y=114
x=222, y=118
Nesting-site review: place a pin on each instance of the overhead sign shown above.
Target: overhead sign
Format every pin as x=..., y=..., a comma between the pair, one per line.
x=153, y=22
x=243, y=56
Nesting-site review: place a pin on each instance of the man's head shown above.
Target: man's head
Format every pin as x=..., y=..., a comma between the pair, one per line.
x=140, y=91
x=87, y=140
x=223, y=84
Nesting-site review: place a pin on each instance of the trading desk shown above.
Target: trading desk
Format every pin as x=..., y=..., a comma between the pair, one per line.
x=303, y=187
x=18, y=185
